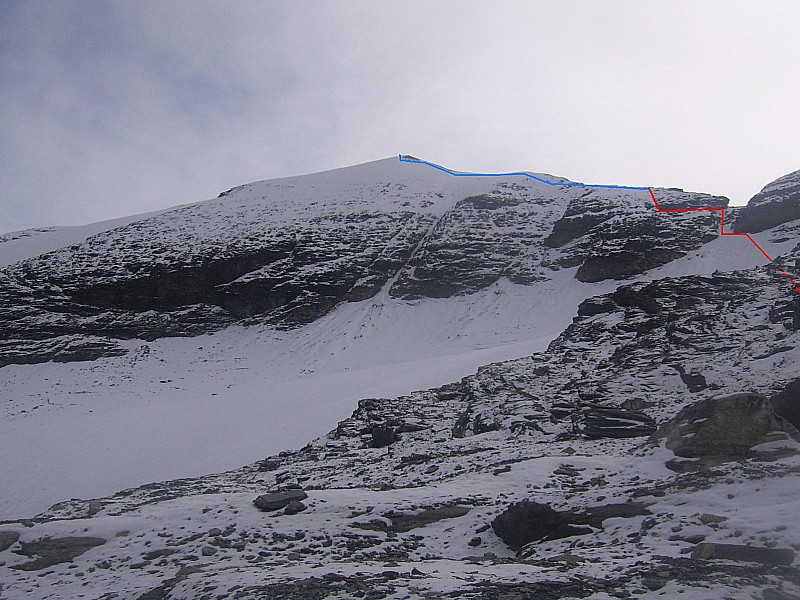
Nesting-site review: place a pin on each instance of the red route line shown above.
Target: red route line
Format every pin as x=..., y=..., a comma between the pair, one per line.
x=721, y=211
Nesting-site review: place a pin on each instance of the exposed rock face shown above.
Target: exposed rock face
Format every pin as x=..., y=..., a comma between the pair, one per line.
x=622, y=264
x=479, y=240
x=725, y=428
x=777, y=203
x=602, y=421
x=787, y=403
x=383, y=435
x=598, y=234
x=117, y=286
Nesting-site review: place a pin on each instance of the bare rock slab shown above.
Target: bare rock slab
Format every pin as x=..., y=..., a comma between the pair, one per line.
x=52, y=551
x=757, y=554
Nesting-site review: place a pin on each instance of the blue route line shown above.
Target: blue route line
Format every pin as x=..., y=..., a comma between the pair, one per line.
x=417, y=161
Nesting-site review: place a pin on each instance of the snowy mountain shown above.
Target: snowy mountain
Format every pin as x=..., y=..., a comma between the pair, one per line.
x=643, y=417
x=286, y=252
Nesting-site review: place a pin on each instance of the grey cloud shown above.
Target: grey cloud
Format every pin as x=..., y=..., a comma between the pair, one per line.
x=115, y=108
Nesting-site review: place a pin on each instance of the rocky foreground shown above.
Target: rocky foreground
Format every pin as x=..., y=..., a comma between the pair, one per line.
x=652, y=451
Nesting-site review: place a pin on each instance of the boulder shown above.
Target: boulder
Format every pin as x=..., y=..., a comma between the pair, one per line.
x=709, y=519
x=276, y=500
x=738, y=552
x=787, y=402
x=526, y=521
x=294, y=507
x=726, y=428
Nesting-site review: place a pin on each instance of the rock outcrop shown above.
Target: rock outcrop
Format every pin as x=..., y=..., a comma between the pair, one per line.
x=8, y=539
x=777, y=203
x=603, y=421
x=727, y=428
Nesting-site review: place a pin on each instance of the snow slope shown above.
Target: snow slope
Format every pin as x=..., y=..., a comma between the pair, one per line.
x=181, y=407
x=17, y=246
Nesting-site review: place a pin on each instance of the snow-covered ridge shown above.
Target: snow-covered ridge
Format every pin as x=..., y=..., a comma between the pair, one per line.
x=17, y=246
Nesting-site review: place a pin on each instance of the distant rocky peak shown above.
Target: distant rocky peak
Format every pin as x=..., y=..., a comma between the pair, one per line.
x=782, y=185
x=777, y=203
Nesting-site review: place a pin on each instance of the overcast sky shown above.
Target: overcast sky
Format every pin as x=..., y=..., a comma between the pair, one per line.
x=114, y=108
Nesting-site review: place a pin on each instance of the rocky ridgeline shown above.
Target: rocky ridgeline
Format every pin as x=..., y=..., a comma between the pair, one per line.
x=634, y=457
x=601, y=239
x=287, y=253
